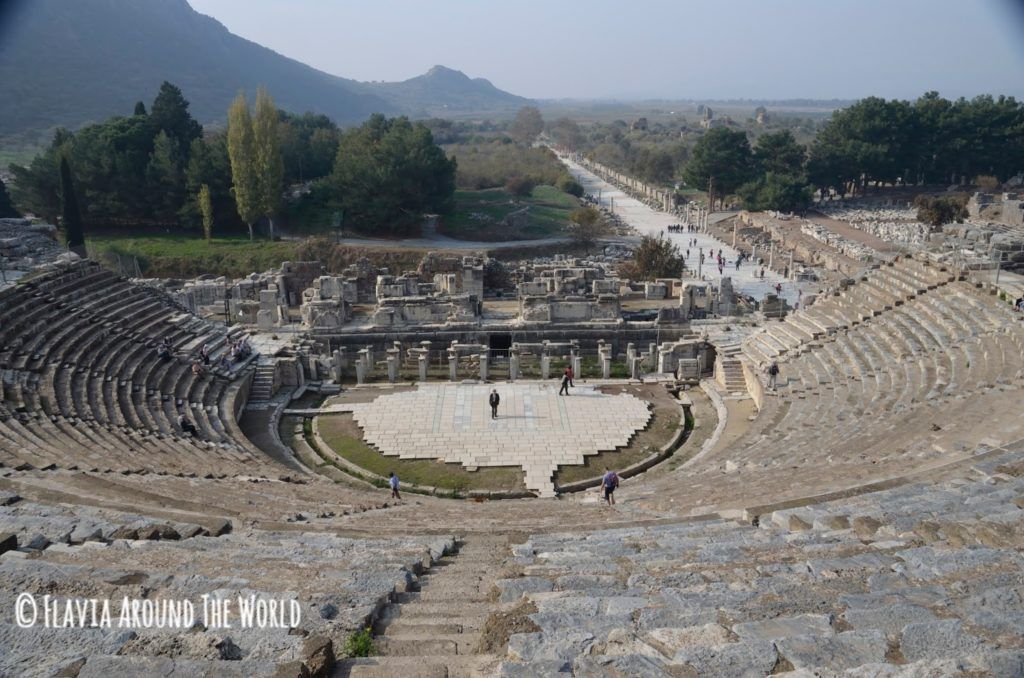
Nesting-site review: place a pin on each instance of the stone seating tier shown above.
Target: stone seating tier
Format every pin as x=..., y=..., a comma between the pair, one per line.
x=83, y=387
x=922, y=579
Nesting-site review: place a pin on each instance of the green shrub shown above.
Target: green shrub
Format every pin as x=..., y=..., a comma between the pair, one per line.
x=360, y=643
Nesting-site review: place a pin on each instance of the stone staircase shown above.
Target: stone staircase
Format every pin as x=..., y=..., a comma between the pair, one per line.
x=262, y=388
x=731, y=376
x=435, y=628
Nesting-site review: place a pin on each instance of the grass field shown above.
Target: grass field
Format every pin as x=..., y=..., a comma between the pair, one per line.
x=342, y=435
x=478, y=214
x=186, y=256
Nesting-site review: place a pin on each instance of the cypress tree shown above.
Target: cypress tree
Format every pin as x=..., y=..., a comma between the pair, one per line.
x=71, y=217
x=7, y=209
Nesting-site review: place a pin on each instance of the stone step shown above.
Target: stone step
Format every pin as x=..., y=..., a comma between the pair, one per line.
x=453, y=594
x=415, y=623
x=428, y=644
x=430, y=666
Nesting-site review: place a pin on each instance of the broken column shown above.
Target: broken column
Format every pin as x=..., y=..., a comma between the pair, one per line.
x=392, y=361
x=422, y=363
x=484, y=358
x=361, y=363
x=513, y=365
x=453, y=364
x=545, y=366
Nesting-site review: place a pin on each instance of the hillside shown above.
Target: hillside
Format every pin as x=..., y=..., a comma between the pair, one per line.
x=69, y=63
x=441, y=90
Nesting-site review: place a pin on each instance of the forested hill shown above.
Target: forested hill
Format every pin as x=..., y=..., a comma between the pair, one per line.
x=69, y=62
x=442, y=90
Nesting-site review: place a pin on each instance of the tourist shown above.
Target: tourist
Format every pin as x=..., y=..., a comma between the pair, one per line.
x=609, y=481
x=187, y=426
x=494, y=399
x=738, y=260
x=204, y=354
x=393, y=482
x=198, y=369
x=1019, y=304
x=773, y=374
x=778, y=288
x=569, y=372
x=762, y=273
x=565, y=384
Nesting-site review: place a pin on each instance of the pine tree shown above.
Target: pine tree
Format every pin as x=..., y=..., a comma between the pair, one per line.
x=269, y=166
x=71, y=218
x=242, y=153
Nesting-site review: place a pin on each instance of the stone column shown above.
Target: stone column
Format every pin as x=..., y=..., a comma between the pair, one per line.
x=663, y=359
x=634, y=367
x=771, y=254
x=369, y=357
x=606, y=365
x=392, y=360
x=453, y=365
x=338, y=364
x=423, y=363
x=361, y=366
x=513, y=366
x=545, y=366
x=630, y=353
x=577, y=366
x=484, y=359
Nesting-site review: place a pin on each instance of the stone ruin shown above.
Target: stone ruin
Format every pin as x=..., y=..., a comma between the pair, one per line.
x=444, y=290
x=565, y=292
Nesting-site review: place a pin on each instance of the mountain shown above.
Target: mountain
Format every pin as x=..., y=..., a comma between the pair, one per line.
x=443, y=90
x=70, y=62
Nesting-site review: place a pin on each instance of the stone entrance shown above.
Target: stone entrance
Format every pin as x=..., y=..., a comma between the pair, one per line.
x=536, y=428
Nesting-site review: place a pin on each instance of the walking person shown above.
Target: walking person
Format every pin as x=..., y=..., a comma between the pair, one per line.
x=565, y=384
x=393, y=482
x=569, y=371
x=494, y=400
x=773, y=375
x=609, y=481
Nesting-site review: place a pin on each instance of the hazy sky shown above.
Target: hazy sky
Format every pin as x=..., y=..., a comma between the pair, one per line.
x=656, y=48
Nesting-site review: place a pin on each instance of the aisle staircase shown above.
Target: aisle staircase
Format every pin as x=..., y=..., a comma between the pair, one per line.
x=435, y=630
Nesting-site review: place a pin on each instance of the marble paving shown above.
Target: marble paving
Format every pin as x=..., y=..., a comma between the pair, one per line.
x=536, y=428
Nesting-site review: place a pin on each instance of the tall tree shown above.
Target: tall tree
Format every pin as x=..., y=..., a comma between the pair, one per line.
x=165, y=179
x=527, y=124
x=721, y=160
x=242, y=152
x=169, y=113
x=389, y=173
x=140, y=108
x=7, y=209
x=71, y=217
x=780, y=153
x=269, y=166
x=206, y=209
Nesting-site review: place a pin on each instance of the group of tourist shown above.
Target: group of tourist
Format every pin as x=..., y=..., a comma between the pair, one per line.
x=681, y=228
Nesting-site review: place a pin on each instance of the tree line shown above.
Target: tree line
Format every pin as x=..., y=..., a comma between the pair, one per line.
x=158, y=168
x=873, y=142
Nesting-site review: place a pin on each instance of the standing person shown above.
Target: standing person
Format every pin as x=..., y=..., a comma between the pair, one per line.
x=565, y=384
x=494, y=400
x=609, y=482
x=393, y=482
x=778, y=288
x=773, y=374
x=571, y=375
